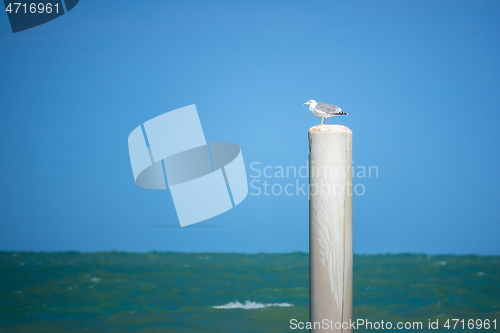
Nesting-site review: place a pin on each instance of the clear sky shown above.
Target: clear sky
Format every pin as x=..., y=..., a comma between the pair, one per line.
x=420, y=79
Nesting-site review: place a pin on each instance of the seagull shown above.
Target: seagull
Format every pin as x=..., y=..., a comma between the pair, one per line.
x=324, y=110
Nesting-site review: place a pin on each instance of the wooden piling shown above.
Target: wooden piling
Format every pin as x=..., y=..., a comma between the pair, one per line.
x=330, y=228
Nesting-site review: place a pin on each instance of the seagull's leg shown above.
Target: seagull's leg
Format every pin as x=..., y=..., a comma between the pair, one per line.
x=322, y=121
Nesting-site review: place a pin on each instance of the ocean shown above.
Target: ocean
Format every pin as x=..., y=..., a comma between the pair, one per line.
x=226, y=292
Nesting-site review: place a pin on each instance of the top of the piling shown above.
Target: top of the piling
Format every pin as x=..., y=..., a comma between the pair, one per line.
x=327, y=129
x=330, y=129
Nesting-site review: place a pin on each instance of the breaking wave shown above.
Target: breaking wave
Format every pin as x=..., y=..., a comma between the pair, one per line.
x=250, y=305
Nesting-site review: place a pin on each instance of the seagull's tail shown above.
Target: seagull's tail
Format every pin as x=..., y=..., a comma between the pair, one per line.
x=344, y=113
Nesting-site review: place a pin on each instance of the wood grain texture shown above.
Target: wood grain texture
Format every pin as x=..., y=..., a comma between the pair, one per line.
x=330, y=226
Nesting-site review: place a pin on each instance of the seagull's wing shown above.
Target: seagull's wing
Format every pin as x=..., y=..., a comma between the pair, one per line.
x=328, y=108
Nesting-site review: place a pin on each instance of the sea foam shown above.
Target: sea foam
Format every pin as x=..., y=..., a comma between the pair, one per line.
x=250, y=305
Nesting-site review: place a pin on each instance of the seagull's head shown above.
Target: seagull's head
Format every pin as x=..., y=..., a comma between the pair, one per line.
x=311, y=102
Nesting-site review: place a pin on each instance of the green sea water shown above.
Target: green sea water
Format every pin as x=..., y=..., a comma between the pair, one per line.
x=221, y=292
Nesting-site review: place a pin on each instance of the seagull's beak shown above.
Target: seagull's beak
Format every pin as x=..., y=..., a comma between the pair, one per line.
x=304, y=104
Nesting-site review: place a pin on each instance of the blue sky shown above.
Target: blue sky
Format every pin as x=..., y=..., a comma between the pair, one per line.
x=420, y=79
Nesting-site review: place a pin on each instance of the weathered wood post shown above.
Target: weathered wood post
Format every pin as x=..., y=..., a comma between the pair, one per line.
x=330, y=228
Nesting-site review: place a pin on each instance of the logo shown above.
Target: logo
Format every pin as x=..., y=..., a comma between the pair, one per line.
x=205, y=180
x=26, y=15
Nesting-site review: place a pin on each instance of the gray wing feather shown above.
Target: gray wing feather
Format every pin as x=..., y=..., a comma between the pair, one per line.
x=328, y=108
